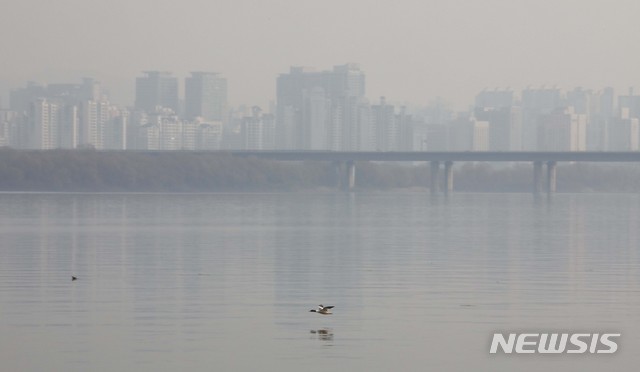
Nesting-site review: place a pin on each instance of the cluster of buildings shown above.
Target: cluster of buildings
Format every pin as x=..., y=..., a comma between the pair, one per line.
x=327, y=110
x=314, y=110
x=542, y=119
x=81, y=115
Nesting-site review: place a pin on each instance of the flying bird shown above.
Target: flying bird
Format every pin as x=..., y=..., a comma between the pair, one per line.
x=324, y=310
x=73, y=278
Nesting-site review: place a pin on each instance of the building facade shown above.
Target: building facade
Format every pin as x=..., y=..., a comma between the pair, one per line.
x=206, y=97
x=313, y=107
x=157, y=88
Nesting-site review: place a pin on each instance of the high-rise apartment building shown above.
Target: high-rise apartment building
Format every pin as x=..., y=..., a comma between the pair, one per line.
x=116, y=132
x=103, y=125
x=481, y=132
x=383, y=121
x=20, y=99
x=209, y=136
x=505, y=127
x=94, y=117
x=157, y=88
x=535, y=103
x=206, y=97
x=562, y=130
x=624, y=134
x=69, y=127
x=405, y=125
x=312, y=107
x=499, y=109
x=629, y=106
x=44, y=124
x=258, y=131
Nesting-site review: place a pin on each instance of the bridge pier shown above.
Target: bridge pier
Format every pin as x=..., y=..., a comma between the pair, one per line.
x=345, y=174
x=350, y=179
x=448, y=176
x=551, y=181
x=537, y=177
x=433, y=179
x=551, y=176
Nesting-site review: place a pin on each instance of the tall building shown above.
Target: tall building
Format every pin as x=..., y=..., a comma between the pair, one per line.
x=60, y=115
x=95, y=115
x=420, y=137
x=602, y=118
x=624, y=135
x=505, y=127
x=497, y=107
x=536, y=103
x=69, y=127
x=209, y=136
x=7, y=121
x=606, y=102
x=494, y=99
x=629, y=106
x=357, y=132
x=436, y=137
x=91, y=90
x=104, y=125
x=44, y=124
x=157, y=88
x=313, y=107
x=562, y=130
x=21, y=99
x=467, y=134
x=253, y=131
x=163, y=130
x=481, y=135
x=314, y=134
x=116, y=132
x=258, y=131
x=206, y=96
x=404, y=123
x=385, y=126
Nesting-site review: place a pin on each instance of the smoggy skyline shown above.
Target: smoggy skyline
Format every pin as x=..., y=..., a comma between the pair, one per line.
x=411, y=51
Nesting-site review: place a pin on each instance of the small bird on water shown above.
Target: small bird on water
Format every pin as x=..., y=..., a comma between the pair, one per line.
x=73, y=278
x=324, y=310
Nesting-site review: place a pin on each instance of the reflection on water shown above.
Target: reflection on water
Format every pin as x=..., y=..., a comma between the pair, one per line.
x=224, y=281
x=324, y=334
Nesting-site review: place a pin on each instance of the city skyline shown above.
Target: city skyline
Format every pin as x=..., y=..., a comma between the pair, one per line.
x=412, y=51
x=315, y=110
x=180, y=82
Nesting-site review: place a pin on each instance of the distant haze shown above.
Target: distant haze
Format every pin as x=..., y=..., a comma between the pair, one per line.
x=410, y=50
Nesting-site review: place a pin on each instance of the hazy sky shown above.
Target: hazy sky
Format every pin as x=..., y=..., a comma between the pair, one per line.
x=410, y=50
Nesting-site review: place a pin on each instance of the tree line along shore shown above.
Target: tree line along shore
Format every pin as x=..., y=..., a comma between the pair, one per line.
x=88, y=170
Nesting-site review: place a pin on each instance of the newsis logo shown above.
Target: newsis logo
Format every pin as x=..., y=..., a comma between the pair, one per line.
x=554, y=343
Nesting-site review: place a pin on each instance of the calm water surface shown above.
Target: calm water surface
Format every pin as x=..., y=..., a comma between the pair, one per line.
x=222, y=282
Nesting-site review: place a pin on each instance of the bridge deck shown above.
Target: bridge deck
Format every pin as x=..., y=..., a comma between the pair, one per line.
x=514, y=156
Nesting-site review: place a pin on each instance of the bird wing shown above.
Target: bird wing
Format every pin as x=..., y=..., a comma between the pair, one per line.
x=328, y=307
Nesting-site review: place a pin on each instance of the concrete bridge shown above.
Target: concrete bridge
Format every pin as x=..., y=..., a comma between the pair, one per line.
x=345, y=162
